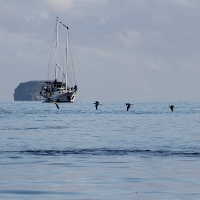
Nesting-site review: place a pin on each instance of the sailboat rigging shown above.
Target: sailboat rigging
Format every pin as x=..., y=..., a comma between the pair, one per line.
x=60, y=85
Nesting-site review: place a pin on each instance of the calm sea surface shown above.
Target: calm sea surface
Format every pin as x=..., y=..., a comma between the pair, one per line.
x=78, y=152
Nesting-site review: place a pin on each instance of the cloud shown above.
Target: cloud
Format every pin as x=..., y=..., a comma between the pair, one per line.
x=154, y=66
x=139, y=43
x=71, y=6
x=131, y=38
x=59, y=5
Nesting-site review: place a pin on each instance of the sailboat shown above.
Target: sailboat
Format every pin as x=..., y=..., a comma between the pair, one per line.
x=60, y=84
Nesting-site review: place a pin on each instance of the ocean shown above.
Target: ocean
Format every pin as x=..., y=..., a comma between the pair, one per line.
x=78, y=152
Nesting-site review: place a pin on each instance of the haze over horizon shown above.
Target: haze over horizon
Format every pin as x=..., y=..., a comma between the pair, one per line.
x=133, y=50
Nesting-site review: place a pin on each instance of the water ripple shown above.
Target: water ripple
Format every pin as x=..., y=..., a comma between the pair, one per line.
x=106, y=152
x=36, y=192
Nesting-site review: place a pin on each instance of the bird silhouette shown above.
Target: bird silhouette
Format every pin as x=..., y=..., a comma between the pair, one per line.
x=171, y=107
x=2, y=109
x=96, y=104
x=128, y=105
x=54, y=102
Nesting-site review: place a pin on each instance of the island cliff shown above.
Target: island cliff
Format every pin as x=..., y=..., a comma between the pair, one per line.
x=29, y=91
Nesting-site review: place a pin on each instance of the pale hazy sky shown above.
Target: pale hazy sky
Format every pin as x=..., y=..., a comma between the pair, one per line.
x=126, y=50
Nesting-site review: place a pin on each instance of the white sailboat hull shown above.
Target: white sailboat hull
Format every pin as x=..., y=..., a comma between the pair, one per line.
x=67, y=97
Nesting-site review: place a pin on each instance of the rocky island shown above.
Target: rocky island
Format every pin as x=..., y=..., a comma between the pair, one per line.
x=29, y=91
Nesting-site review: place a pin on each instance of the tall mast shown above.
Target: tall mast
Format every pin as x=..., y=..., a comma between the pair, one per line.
x=56, y=31
x=67, y=44
x=56, y=46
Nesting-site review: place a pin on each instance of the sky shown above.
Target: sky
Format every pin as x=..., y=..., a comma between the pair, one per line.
x=130, y=50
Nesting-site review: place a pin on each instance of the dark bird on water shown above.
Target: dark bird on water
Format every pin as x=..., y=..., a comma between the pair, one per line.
x=2, y=109
x=171, y=107
x=128, y=105
x=96, y=104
